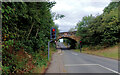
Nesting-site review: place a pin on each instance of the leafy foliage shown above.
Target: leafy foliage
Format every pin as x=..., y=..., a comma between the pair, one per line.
x=26, y=26
x=101, y=30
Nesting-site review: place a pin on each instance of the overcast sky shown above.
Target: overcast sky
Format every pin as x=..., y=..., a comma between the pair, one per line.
x=74, y=10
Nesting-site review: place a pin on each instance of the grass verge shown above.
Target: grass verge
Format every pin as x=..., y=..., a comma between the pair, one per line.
x=42, y=69
x=110, y=52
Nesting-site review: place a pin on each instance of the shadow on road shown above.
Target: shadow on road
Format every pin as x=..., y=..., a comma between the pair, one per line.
x=65, y=48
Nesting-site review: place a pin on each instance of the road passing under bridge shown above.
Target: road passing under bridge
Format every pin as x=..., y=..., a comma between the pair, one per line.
x=69, y=61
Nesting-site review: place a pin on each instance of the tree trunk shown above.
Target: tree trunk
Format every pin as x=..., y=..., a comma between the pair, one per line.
x=30, y=30
x=36, y=33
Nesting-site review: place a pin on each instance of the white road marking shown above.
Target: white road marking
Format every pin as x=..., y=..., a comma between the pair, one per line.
x=80, y=64
x=74, y=54
x=109, y=69
x=68, y=65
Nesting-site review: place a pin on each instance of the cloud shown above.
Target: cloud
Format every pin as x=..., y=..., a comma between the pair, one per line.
x=74, y=10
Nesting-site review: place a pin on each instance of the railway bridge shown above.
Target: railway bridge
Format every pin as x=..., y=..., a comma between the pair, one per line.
x=71, y=36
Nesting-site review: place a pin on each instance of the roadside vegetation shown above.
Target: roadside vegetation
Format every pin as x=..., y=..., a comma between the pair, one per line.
x=100, y=33
x=25, y=35
x=110, y=52
x=43, y=68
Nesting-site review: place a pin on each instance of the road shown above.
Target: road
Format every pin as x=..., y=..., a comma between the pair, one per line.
x=74, y=62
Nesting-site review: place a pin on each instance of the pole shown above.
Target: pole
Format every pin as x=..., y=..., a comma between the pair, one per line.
x=48, y=51
x=48, y=48
x=80, y=48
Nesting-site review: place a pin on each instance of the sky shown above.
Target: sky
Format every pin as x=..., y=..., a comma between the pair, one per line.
x=74, y=10
x=61, y=40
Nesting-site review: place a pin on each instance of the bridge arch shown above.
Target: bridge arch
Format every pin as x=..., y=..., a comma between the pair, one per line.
x=72, y=42
x=71, y=36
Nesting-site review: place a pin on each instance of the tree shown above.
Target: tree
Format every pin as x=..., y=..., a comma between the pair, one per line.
x=72, y=29
x=26, y=26
x=103, y=29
